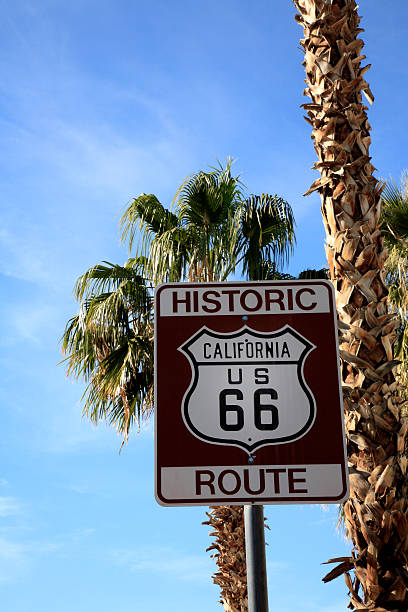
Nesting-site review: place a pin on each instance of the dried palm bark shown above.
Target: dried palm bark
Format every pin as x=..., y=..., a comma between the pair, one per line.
x=227, y=523
x=376, y=425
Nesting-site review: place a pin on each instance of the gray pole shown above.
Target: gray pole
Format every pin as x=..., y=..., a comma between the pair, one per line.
x=255, y=558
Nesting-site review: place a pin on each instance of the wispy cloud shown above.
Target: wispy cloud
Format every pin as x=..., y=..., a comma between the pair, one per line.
x=275, y=567
x=66, y=431
x=31, y=322
x=76, y=164
x=16, y=551
x=75, y=536
x=16, y=556
x=20, y=545
x=80, y=489
x=329, y=514
x=9, y=506
x=338, y=607
x=174, y=563
x=296, y=601
x=13, y=559
x=21, y=260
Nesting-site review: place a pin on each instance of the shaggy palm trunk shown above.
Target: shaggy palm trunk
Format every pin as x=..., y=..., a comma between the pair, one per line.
x=376, y=424
x=227, y=523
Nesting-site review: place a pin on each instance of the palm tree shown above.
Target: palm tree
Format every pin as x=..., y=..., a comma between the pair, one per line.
x=109, y=344
x=214, y=230
x=395, y=231
x=376, y=424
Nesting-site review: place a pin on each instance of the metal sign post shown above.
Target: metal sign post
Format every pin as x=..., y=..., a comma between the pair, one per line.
x=255, y=558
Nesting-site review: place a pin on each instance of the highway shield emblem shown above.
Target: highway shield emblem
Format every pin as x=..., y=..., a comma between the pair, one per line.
x=247, y=387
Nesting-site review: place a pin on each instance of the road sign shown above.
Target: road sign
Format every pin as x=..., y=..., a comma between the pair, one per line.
x=248, y=396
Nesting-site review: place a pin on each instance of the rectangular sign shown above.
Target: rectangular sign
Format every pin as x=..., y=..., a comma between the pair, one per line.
x=248, y=397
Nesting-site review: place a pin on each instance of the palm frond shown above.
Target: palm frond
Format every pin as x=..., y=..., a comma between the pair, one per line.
x=109, y=344
x=148, y=216
x=107, y=276
x=311, y=273
x=267, y=232
x=395, y=215
x=208, y=198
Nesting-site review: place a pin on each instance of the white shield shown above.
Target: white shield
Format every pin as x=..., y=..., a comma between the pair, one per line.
x=247, y=387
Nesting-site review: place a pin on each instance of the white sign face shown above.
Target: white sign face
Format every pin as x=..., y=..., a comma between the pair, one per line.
x=247, y=388
x=273, y=482
x=260, y=299
x=248, y=404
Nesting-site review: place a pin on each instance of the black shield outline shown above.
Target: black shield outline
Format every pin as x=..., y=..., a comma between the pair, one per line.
x=249, y=448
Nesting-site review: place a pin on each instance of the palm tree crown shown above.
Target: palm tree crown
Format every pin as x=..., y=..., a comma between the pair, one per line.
x=216, y=229
x=213, y=230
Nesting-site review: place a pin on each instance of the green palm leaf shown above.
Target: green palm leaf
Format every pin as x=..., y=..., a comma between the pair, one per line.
x=267, y=233
x=214, y=231
x=147, y=214
x=109, y=344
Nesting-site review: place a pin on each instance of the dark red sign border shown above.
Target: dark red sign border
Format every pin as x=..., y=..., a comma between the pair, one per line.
x=244, y=500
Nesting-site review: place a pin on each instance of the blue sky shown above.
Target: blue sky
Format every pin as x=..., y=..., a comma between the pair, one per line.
x=101, y=101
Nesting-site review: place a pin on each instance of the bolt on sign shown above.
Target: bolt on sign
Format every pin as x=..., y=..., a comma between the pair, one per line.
x=248, y=397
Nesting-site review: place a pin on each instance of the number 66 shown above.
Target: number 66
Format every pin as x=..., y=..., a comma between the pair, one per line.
x=259, y=410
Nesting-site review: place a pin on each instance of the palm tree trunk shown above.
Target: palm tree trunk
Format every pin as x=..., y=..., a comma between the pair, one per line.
x=227, y=523
x=376, y=425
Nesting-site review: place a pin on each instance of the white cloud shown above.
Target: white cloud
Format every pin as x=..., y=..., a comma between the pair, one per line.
x=338, y=607
x=12, y=558
x=275, y=567
x=292, y=602
x=16, y=552
x=23, y=257
x=80, y=489
x=16, y=556
x=161, y=560
x=97, y=159
x=9, y=506
x=65, y=430
x=20, y=550
x=74, y=537
x=31, y=322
